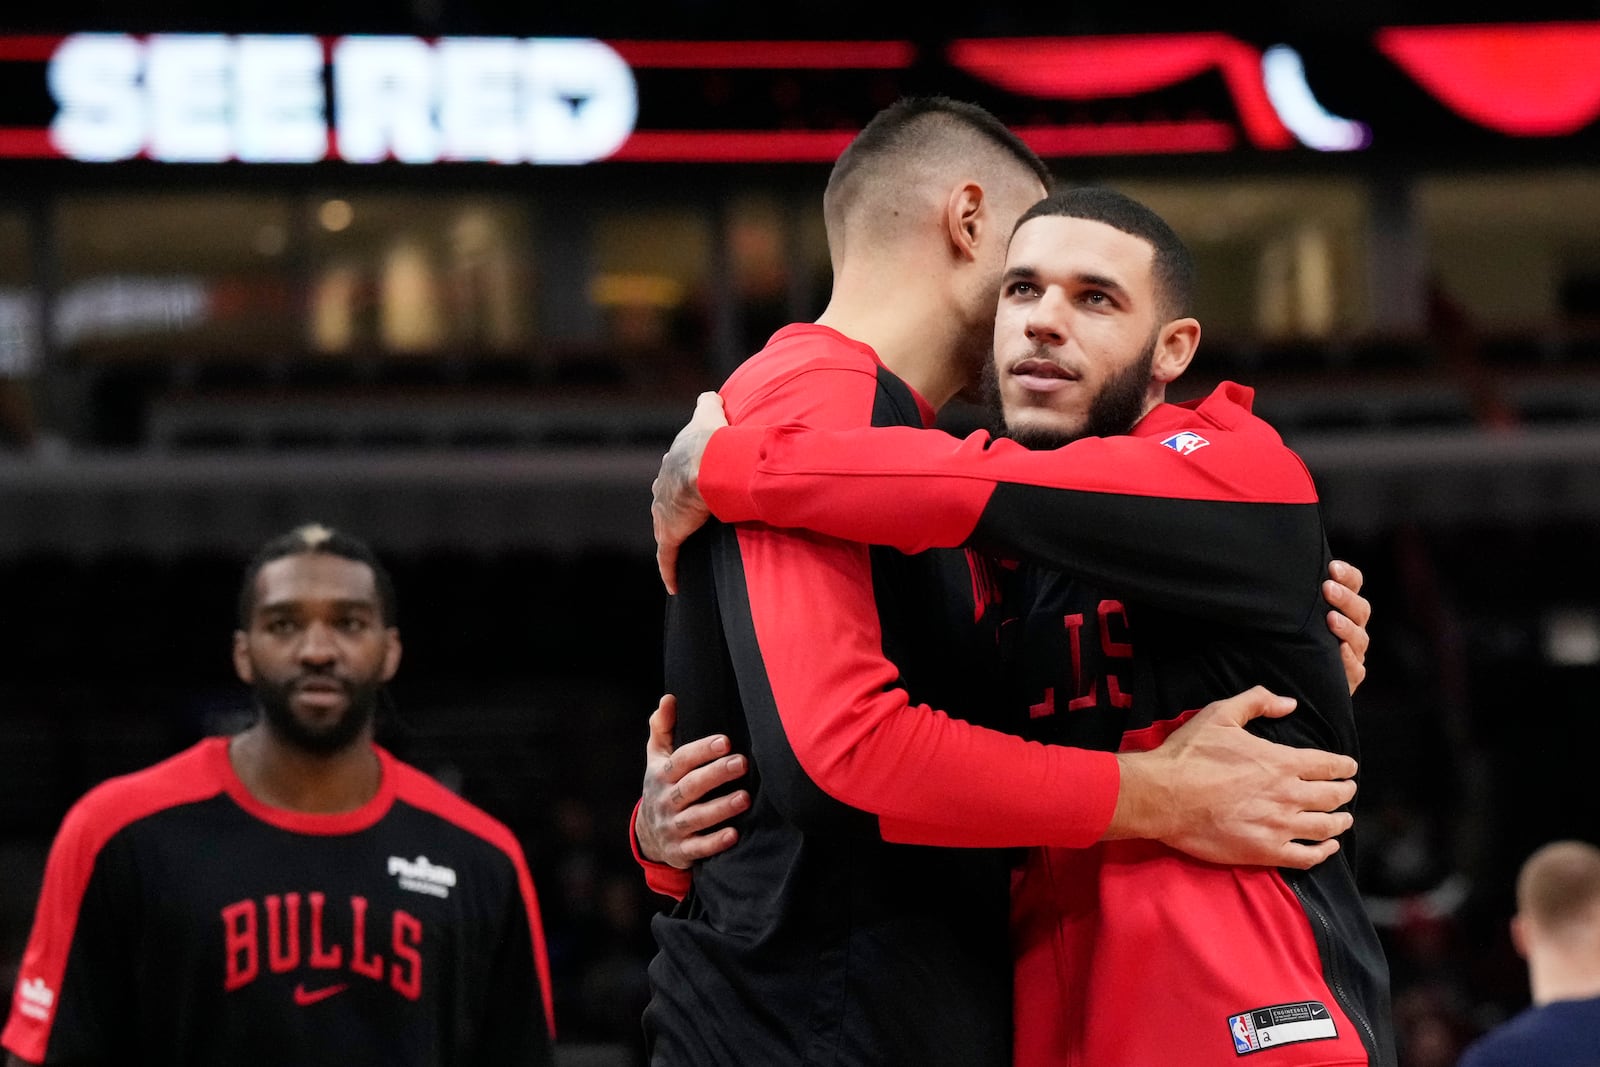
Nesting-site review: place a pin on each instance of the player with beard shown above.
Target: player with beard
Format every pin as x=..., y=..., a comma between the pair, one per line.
x=1186, y=537
x=1115, y=405
x=292, y=894
x=833, y=933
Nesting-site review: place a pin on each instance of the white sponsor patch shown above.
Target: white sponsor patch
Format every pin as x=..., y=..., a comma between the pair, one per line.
x=1185, y=442
x=420, y=876
x=1281, y=1024
x=35, y=999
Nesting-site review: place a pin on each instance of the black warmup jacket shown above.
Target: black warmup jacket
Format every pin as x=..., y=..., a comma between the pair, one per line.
x=1209, y=531
x=855, y=679
x=183, y=923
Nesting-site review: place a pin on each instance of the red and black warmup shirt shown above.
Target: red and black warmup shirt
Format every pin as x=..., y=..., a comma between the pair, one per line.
x=1191, y=554
x=857, y=680
x=184, y=922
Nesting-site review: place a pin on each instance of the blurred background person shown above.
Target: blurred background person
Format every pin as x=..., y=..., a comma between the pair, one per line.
x=1557, y=931
x=292, y=894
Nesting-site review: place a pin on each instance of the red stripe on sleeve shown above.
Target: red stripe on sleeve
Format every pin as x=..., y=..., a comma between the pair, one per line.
x=917, y=489
x=418, y=789
x=98, y=816
x=930, y=779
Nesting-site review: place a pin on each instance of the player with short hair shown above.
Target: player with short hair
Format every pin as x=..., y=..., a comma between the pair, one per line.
x=292, y=894
x=1557, y=930
x=1188, y=538
x=829, y=933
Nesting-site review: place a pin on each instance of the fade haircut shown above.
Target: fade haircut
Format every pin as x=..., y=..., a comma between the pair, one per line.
x=907, y=141
x=1559, y=885
x=1172, y=267
x=313, y=538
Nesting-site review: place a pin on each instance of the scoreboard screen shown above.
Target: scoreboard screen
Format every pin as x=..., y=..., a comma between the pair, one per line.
x=109, y=98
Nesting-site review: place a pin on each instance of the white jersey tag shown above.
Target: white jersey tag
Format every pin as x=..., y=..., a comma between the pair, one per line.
x=1281, y=1024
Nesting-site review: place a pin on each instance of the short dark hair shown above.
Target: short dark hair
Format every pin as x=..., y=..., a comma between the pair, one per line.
x=911, y=118
x=919, y=128
x=1172, y=266
x=310, y=538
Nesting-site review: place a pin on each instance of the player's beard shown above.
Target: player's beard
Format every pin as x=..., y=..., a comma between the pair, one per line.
x=1116, y=406
x=361, y=704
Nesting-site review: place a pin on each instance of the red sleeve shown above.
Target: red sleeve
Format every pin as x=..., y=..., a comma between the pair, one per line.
x=75, y=891
x=426, y=792
x=541, y=958
x=663, y=878
x=44, y=961
x=918, y=489
x=1229, y=531
x=930, y=778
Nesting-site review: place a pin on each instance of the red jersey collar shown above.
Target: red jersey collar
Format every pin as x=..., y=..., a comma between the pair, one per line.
x=303, y=822
x=1223, y=406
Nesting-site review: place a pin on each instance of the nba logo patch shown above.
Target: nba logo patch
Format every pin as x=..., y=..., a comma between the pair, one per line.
x=1185, y=442
x=1281, y=1024
x=1244, y=1034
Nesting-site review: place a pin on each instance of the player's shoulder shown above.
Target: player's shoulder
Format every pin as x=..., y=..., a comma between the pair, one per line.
x=1220, y=434
x=1226, y=414
x=424, y=792
x=1225, y=417
x=1230, y=408
x=1503, y=1046
x=1534, y=1032
x=113, y=805
x=807, y=375
x=802, y=348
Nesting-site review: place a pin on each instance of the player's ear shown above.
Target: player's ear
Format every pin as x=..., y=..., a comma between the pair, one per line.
x=241, y=658
x=391, y=654
x=965, y=219
x=1176, y=343
x=1519, y=936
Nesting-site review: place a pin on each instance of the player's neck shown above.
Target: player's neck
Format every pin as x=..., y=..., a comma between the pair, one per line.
x=936, y=380
x=909, y=324
x=1154, y=396
x=1564, y=975
x=282, y=776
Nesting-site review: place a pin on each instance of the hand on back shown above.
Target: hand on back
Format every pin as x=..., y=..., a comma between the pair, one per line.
x=674, y=824
x=676, y=507
x=1220, y=793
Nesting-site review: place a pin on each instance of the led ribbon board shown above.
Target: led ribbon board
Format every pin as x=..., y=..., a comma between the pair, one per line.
x=300, y=99
x=212, y=98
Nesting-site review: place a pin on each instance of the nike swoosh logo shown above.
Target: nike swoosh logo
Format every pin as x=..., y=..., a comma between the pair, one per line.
x=305, y=997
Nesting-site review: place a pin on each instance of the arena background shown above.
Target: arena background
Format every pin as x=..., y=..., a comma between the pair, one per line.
x=476, y=366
